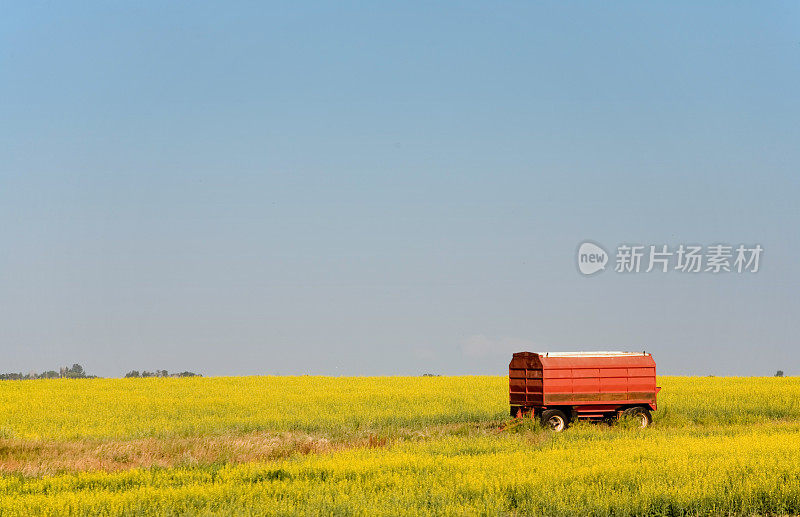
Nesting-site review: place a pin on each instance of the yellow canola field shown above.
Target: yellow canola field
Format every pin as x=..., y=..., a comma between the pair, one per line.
x=718, y=446
x=65, y=409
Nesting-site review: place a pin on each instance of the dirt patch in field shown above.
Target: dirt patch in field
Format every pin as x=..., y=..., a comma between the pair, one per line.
x=33, y=458
x=46, y=457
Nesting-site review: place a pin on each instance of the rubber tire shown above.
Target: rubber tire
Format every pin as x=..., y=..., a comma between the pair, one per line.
x=549, y=414
x=636, y=413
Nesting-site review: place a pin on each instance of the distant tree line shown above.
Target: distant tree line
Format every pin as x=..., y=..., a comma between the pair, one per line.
x=160, y=373
x=50, y=374
x=76, y=371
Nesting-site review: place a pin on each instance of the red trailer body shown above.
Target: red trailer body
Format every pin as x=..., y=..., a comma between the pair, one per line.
x=582, y=384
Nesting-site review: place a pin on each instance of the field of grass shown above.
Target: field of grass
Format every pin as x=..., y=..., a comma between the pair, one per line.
x=392, y=446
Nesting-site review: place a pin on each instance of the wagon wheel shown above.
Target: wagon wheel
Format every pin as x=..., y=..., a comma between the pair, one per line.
x=554, y=419
x=639, y=415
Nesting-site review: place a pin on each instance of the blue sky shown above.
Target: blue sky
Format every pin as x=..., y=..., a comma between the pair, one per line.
x=392, y=188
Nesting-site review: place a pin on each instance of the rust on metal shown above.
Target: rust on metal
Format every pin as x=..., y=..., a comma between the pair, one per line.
x=592, y=397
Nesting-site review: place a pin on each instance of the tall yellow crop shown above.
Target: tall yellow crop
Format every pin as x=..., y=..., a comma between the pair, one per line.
x=389, y=446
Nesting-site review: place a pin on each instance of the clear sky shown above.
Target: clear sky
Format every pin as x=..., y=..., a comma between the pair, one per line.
x=393, y=188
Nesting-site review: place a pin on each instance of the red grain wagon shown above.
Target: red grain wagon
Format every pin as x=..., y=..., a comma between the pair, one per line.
x=559, y=387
